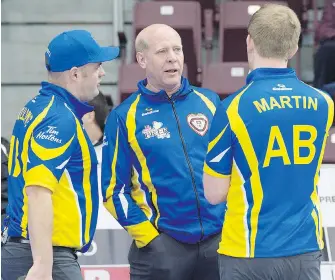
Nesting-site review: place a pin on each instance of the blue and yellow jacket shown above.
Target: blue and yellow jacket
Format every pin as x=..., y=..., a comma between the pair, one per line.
x=153, y=156
x=269, y=138
x=49, y=148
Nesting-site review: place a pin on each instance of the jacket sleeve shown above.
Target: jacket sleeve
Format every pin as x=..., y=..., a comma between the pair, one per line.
x=116, y=182
x=217, y=100
x=219, y=159
x=49, y=149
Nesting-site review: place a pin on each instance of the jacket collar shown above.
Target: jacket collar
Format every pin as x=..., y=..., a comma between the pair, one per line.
x=78, y=107
x=182, y=92
x=270, y=73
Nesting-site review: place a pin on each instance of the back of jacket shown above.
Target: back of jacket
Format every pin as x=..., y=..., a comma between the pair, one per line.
x=273, y=133
x=153, y=157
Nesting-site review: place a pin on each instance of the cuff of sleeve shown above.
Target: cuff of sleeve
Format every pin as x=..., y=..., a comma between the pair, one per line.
x=213, y=173
x=142, y=233
x=40, y=176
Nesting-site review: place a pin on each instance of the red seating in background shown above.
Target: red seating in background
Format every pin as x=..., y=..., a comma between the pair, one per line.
x=234, y=20
x=300, y=7
x=205, y=5
x=129, y=76
x=225, y=75
x=225, y=78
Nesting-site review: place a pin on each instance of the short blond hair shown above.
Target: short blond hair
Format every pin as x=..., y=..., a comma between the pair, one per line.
x=275, y=30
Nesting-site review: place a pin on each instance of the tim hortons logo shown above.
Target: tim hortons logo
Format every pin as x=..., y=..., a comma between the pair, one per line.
x=198, y=122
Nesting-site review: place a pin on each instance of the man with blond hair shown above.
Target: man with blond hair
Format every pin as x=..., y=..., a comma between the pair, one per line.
x=266, y=146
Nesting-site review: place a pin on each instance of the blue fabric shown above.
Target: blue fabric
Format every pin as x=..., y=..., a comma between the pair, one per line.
x=76, y=48
x=269, y=137
x=172, y=134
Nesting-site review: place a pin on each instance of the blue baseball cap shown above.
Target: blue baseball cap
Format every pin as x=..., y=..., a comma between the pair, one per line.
x=76, y=48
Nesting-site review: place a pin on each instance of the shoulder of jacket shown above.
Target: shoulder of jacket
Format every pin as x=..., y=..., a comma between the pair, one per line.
x=123, y=108
x=205, y=91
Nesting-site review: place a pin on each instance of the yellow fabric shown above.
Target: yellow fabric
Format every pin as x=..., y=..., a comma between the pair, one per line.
x=48, y=180
x=110, y=190
x=216, y=139
x=86, y=178
x=67, y=226
x=24, y=157
x=213, y=173
x=235, y=225
x=207, y=101
x=314, y=197
x=131, y=127
x=241, y=132
x=142, y=233
x=47, y=154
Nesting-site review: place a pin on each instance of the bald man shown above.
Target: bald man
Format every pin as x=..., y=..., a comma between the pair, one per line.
x=153, y=153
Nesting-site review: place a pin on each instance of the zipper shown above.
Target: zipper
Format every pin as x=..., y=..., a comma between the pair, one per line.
x=189, y=166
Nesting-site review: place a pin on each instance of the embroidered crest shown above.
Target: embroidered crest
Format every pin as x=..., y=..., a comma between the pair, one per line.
x=156, y=130
x=198, y=122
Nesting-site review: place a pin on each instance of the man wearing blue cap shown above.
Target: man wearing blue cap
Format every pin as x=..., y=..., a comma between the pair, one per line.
x=52, y=184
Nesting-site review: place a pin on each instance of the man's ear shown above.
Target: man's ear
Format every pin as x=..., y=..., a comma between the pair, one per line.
x=250, y=43
x=141, y=59
x=74, y=71
x=293, y=52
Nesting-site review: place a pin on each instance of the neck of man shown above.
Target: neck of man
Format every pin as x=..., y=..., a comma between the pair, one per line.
x=262, y=62
x=58, y=81
x=169, y=91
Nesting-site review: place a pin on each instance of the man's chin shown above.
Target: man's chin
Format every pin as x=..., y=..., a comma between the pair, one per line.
x=90, y=98
x=172, y=87
x=96, y=93
x=175, y=81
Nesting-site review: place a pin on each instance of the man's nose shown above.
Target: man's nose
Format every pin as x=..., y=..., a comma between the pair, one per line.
x=102, y=71
x=171, y=57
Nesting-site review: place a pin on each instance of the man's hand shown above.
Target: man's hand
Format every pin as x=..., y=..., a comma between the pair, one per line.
x=156, y=244
x=38, y=272
x=215, y=188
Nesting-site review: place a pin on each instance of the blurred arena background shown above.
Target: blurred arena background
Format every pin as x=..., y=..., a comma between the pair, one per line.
x=213, y=33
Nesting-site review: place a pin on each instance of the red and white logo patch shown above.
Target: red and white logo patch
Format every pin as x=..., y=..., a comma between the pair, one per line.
x=198, y=122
